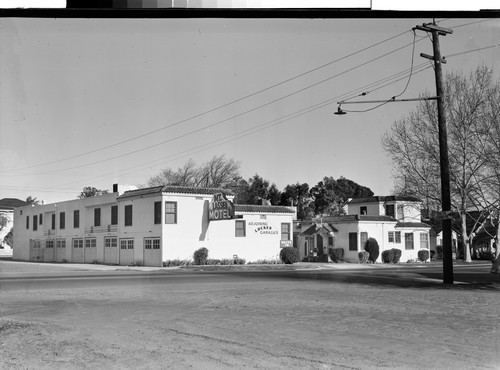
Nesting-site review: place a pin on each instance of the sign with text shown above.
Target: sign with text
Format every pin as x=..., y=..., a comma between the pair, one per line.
x=220, y=208
x=286, y=243
x=263, y=228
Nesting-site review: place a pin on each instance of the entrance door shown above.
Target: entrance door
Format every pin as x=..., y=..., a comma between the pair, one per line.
x=77, y=251
x=319, y=244
x=48, y=253
x=61, y=250
x=152, y=252
x=111, y=250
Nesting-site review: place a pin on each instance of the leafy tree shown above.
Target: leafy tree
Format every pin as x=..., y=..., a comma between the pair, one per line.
x=90, y=191
x=472, y=109
x=298, y=195
x=32, y=200
x=330, y=195
x=4, y=220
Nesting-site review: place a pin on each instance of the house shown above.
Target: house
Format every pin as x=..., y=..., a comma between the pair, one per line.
x=151, y=225
x=484, y=242
x=7, y=206
x=394, y=221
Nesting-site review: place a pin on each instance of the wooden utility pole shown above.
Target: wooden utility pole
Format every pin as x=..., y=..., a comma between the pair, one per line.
x=437, y=31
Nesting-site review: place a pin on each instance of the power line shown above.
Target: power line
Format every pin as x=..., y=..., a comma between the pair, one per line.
x=221, y=106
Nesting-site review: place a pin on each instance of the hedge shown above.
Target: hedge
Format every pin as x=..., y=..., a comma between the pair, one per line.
x=371, y=246
x=363, y=256
x=397, y=255
x=423, y=255
x=289, y=255
x=200, y=256
x=336, y=254
x=388, y=256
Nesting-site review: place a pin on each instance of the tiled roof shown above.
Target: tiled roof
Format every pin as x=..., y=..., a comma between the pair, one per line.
x=174, y=189
x=376, y=218
x=412, y=224
x=389, y=198
x=351, y=218
x=313, y=230
x=262, y=209
x=11, y=203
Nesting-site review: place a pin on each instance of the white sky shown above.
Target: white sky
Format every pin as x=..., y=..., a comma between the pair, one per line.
x=168, y=90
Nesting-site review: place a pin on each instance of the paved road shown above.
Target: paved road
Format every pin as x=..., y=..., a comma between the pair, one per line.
x=22, y=275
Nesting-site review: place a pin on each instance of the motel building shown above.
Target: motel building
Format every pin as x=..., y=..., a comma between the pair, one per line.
x=151, y=225
x=394, y=221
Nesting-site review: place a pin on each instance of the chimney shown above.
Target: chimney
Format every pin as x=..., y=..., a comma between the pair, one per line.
x=115, y=188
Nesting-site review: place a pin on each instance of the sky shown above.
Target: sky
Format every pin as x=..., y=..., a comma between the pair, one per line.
x=93, y=102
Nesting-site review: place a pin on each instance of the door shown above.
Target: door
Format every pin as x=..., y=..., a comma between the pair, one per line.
x=61, y=250
x=126, y=251
x=48, y=253
x=152, y=252
x=111, y=250
x=319, y=244
x=90, y=250
x=77, y=251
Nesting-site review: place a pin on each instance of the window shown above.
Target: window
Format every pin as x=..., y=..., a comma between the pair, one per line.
x=76, y=219
x=331, y=241
x=170, y=212
x=114, y=215
x=62, y=220
x=364, y=238
x=152, y=243
x=389, y=210
x=128, y=215
x=285, y=231
x=424, y=240
x=41, y=218
x=157, y=215
x=126, y=243
x=110, y=242
x=397, y=237
x=391, y=236
x=53, y=226
x=401, y=212
x=77, y=243
x=35, y=223
x=363, y=210
x=49, y=244
x=263, y=217
x=90, y=242
x=97, y=217
x=27, y=222
x=409, y=241
x=353, y=241
x=61, y=243
x=240, y=228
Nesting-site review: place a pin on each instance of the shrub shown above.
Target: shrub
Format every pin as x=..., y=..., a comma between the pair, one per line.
x=433, y=255
x=371, y=246
x=289, y=255
x=423, y=255
x=336, y=254
x=213, y=261
x=397, y=255
x=200, y=256
x=267, y=262
x=388, y=256
x=363, y=256
x=439, y=250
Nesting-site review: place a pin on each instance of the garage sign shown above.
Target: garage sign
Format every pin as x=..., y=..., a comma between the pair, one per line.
x=220, y=208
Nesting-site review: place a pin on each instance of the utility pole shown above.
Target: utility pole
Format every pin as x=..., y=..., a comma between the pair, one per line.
x=437, y=31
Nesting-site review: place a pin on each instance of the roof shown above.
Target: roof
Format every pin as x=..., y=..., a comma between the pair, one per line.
x=354, y=218
x=11, y=203
x=389, y=198
x=413, y=224
x=174, y=189
x=313, y=229
x=262, y=209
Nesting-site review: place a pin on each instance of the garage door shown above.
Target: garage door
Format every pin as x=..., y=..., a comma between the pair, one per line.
x=111, y=250
x=48, y=253
x=126, y=251
x=152, y=252
x=36, y=252
x=77, y=251
x=90, y=250
x=61, y=250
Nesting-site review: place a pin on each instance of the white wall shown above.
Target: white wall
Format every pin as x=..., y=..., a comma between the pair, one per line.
x=5, y=249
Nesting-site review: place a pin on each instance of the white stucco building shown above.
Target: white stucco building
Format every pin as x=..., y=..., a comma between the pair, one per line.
x=395, y=222
x=148, y=226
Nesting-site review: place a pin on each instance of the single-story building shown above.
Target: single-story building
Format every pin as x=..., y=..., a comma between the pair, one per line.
x=151, y=225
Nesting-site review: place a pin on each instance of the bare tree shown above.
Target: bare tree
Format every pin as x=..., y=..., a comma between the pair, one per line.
x=412, y=144
x=219, y=172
